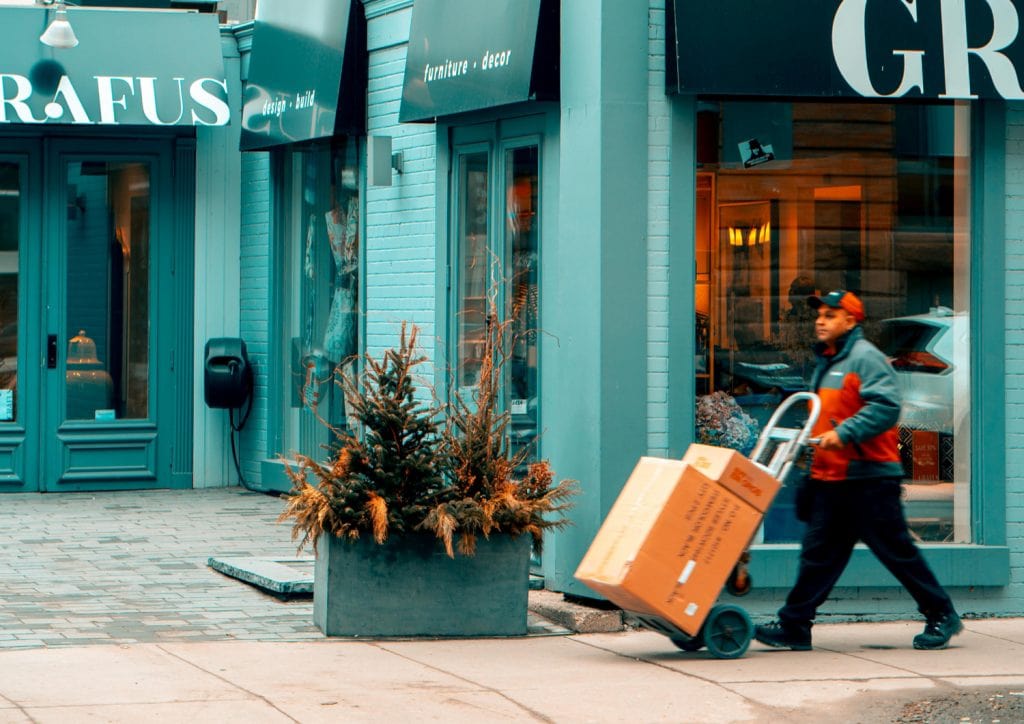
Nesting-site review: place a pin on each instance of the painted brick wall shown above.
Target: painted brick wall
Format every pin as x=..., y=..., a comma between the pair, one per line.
x=254, y=303
x=399, y=219
x=1015, y=349
x=657, y=236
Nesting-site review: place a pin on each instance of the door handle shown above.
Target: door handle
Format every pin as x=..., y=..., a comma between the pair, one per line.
x=51, y=351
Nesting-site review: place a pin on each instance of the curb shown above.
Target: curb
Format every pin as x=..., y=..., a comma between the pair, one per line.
x=573, y=616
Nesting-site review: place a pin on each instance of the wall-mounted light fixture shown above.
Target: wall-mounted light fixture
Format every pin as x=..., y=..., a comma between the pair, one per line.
x=750, y=236
x=380, y=161
x=59, y=33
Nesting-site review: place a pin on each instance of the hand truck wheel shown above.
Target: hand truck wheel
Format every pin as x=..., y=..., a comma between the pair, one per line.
x=690, y=643
x=727, y=631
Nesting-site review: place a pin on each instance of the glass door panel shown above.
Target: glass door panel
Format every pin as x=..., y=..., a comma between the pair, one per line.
x=522, y=228
x=318, y=297
x=107, y=330
x=472, y=273
x=11, y=202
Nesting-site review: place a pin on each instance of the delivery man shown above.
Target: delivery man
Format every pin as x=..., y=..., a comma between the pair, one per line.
x=854, y=488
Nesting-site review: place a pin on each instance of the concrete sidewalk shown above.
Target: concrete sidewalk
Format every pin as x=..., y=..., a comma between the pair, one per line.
x=109, y=612
x=624, y=677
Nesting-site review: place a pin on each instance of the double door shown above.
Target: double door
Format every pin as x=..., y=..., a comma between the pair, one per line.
x=83, y=252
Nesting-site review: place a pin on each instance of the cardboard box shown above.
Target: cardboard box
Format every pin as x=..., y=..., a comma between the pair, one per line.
x=675, y=533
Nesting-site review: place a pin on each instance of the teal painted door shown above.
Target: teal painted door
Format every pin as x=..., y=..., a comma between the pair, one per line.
x=86, y=288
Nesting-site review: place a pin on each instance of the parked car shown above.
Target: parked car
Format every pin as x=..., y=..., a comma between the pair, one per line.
x=930, y=355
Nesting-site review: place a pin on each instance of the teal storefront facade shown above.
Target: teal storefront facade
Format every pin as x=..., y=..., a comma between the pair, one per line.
x=119, y=207
x=604, y=204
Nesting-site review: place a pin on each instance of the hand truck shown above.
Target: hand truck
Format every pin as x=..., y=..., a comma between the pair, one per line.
x=727, y=629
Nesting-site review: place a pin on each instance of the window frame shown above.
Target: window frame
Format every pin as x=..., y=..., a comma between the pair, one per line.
x=273, y=469
x=496, y=136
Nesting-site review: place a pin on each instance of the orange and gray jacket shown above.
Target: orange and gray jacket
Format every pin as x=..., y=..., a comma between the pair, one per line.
x=861, y=402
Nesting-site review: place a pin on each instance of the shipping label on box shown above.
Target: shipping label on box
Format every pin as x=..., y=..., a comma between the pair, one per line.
x=739, y=474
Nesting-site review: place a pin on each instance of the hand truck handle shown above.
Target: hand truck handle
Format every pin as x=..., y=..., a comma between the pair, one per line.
x=791, y=440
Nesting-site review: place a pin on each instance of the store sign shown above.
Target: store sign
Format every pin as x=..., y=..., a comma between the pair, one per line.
x=943, y=49
x=465, y=55
x=307, y=76
x=129, y=68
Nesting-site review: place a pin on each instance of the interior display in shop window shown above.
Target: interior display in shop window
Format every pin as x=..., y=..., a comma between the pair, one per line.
x=867, y=197
x=330, y=269
x=318, y=204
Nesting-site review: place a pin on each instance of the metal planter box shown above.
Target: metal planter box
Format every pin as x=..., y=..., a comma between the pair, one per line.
x=408, y=586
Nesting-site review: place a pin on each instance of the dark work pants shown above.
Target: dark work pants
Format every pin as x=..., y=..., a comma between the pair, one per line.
x=841, y=514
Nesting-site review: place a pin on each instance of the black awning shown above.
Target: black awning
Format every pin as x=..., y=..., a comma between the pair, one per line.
x=307, y=72
x=845, y=49
x=465, y=55
x=129, y=68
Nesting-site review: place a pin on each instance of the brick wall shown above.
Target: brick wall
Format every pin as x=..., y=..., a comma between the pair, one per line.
x=400, y=244
x=1015, y=346
x=254, y=304
x=657, y=236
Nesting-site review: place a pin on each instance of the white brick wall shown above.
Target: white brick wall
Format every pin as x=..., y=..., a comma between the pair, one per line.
x=400, y=240
x=1015, y=346
x=657, y=236
x=254, y=304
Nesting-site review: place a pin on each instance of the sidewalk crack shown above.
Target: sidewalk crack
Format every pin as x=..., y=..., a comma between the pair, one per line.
x=536, y=715
x=214, y=674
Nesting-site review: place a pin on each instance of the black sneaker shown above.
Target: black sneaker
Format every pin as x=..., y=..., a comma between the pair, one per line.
x=781, y=636
x=938, y=631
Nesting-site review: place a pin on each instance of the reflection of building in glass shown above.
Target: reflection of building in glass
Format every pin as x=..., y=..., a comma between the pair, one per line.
x=320, y=211
x=863, y=204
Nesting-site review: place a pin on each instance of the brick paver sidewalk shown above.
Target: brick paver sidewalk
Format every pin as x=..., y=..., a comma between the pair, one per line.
x=128, y=567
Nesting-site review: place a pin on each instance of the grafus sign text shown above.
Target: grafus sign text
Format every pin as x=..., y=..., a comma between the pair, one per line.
x=850, y=40
x=114, y=99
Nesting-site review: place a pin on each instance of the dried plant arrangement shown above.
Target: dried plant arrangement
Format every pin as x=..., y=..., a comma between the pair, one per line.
x=490, y=488
x=407, y=473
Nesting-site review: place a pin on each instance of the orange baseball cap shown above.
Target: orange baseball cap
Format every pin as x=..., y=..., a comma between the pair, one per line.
x=840, y=299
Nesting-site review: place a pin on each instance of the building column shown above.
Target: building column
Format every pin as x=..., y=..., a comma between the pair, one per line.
x=594, y=286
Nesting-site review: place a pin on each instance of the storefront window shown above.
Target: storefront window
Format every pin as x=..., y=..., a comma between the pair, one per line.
x=802, y=198
x=318, y=212
x=497, y=275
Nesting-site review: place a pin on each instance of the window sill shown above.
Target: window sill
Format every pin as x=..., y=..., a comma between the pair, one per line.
x=955, y=565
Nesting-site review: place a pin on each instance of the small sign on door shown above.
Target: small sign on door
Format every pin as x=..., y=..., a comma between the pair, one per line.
x=6, y=405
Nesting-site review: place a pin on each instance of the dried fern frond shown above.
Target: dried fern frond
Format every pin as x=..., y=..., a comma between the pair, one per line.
x=467, y=544
x=443, y=525
x=311, y=510
x=377, y=508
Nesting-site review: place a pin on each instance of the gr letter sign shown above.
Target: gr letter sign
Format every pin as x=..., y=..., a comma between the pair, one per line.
x=850, y=41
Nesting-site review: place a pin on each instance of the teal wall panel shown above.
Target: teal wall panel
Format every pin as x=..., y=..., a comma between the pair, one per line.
x=218, y=194
x=182, y=376
x=595, y=274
